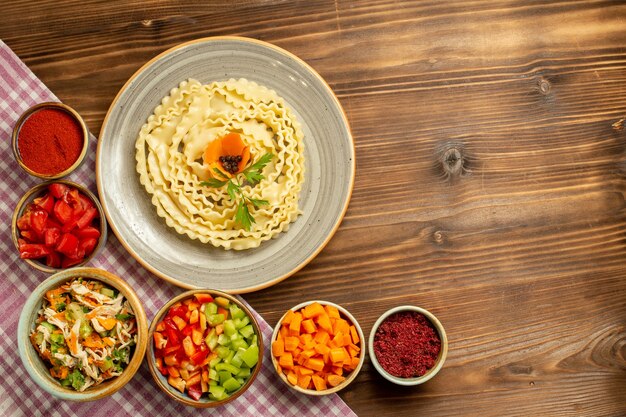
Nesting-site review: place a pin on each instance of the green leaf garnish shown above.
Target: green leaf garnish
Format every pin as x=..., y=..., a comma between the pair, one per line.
x=214, y=183
x=252, y=175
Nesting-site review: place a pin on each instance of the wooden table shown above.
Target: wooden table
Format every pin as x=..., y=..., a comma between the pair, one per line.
x=491, y=166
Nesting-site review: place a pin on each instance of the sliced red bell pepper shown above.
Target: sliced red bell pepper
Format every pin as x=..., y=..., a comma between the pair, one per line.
x=38, y=220
x=53, y=259
x=68, y=245
x=195, y=391
x=32, y=250
x=179, y=311
x=199, y=357
x=203, y=298
x=58, y=190
x=51, y=236
x=88, y=232
x=45, y=203
x=62, y=211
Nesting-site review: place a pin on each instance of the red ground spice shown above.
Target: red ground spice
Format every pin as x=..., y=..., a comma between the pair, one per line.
x=50, y=141
x=406, y=344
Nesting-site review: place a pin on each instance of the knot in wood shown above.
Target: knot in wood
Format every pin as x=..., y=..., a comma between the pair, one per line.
x=544, y=86
x=438, y=237
x=146, y=22
x=452, y=161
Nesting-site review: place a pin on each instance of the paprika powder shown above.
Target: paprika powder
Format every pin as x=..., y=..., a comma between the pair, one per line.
x=406, y=344
x=50, y=141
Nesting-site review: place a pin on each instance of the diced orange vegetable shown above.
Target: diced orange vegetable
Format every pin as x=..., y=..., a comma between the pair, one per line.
x=194, y=379
x=193, y=305
x=354, y=335
x=304, y=381
x=338, y=340
x=308, y=353
x=315, y=363
x=322, y=337
x=177, y=383
x=303, y=370
x=278, y=347
x=341, y=326
x=194, y=317
x=205, y=375
x=219, y=329
x=294, y=326
x=196, y=336
x=288, y=317
x=347, y=340
x=337, y=370
x=324, y=322
x=334, y=380
x=107, y=323
x=284, y=331
x=313, y=310
x=204, y=386
x=173, y=371
x=332, y=311
x=291, y=343
x=179, y=322
x=160, y=327
x=322, y=349
x=292, y=378
x=337, y=355
x=108, y=341
x=319, y=382
x=353, y=352
x=308, y=326
x=202, y=321
x=190, y=350
x=286, y=360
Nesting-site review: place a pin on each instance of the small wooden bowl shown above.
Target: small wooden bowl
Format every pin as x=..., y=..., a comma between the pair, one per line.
x=346, y=315
x=161, y=380
x=440, y=359
x=26, y=115
x=36, y=367
x=38, y=191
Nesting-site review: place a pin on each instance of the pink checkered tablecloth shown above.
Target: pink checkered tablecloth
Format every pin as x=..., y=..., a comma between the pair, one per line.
x=19, y=396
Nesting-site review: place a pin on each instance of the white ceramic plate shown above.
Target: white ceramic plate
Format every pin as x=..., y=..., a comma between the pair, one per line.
x=329, y=164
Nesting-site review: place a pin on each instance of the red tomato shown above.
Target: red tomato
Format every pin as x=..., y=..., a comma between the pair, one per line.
x=45, y=203
x=68, y=245
x=88, y=232
x=53, y=259
x=86, y=218
x=67, y=261
x=38, y=220
x=62, y=211
x=51, y=236
x=58, y=190
x=32, y=250
x=88, y=245
x=23, y=223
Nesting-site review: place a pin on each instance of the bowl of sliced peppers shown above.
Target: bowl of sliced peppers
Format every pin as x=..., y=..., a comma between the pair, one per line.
x=82, y=334
x=58, y=225
x=205, y=348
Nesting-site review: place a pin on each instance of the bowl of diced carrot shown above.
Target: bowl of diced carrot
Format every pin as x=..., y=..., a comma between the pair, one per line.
x=317, y=348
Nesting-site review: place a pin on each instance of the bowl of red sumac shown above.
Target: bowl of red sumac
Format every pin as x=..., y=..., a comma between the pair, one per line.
x=58, y=225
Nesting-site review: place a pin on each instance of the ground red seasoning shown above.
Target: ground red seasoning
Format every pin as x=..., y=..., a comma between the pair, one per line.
x=406, y=344
x=50, y=141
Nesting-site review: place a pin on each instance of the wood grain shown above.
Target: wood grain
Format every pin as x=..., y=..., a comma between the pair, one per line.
x=490, y=175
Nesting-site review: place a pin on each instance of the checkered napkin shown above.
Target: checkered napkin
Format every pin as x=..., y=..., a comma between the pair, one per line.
x=20, y=89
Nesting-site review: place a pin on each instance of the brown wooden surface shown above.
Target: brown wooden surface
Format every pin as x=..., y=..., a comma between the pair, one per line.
x=490, y=175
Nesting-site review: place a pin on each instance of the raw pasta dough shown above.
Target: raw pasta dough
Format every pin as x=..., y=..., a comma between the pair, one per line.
x=169, y=160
